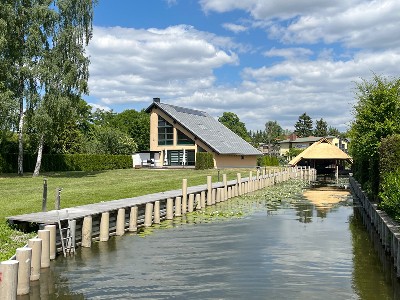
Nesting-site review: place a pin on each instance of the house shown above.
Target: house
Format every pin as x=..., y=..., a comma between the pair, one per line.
x=323, y=156
x=303, y=143
x=178, y=133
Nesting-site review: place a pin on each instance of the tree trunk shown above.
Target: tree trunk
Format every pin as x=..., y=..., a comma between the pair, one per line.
x=39, y=156
x=20, y=138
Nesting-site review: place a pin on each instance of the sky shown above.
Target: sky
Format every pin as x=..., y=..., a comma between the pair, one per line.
x=262, y=60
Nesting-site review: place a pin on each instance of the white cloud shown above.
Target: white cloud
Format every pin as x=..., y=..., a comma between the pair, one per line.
x=288, y=52
x=134, y=64
x=236, y=28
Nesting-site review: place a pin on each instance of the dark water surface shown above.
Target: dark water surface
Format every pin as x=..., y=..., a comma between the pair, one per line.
x=273, y=251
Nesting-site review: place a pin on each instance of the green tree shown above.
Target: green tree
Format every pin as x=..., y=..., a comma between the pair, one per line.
x=304, y=125
x=136, y=124
x=333, y=131
x=376, y=116
x=232, y=121
x=109, y=140
x=321, y=128
x=64, y=69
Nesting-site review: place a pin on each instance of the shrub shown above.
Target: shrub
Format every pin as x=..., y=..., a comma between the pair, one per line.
x=267, y=161
x=390, y=194
x=204, y=160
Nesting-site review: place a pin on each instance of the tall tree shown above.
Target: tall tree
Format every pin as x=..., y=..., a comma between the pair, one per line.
x=25, y=26
x=232, y=121
x=63, y=71
x=321, y=128
x=304, y=125
x=272, y=132
x=333, y=131
x=376, y=116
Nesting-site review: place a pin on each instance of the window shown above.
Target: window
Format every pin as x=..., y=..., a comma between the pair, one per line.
x=184, y=140
x=165, y=132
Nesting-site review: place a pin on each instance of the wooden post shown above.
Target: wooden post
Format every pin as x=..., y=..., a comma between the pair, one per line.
x=105, y=227
x=209, y=190
x=184, y=196
x=53, y=250
x=198, y=201
x=239, y=183
x=178, y=207
x=170, y=209
x=225, y=181
x=24, y=257
x=87, y=232
x=213, y=196
x=44, y=201
x=36, y=245
x=148, y=215
x=120, y=230
x=45, y=257
x=250, y=188
x=9, y=281
x=218, y=198
x=57, y=204
x=191, y=203
x=133, y=219
x=157, y=212
x=203, y=199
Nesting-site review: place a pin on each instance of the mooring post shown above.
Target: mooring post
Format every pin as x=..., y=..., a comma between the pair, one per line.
x=213, y=196
x=120, y=230
x=87, y=232
x=198, y=201
x=203, y=199
x=225, y=181
x=105, y=227
x=250, y=188
x=148, y=215
x=36, y=245
x=239, y=183
x=9, y=279
x=44, y=235
x=24, y=257
x=191, y=203
x=133, y=219
x=209, y=190
x=156, y=212
x=53, y=231
x=178, y=207
x=218, y=198
x=184, y=196
x=170, y=209
x=44, y=201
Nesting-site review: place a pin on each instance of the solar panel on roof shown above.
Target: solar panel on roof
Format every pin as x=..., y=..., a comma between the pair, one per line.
x=189, y=111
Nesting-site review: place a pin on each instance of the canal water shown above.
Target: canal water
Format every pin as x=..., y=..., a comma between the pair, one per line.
x=280, y=244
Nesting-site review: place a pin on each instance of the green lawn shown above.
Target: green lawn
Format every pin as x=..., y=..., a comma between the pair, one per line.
x=20, y=195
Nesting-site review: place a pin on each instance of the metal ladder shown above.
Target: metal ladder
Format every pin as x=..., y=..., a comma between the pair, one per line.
x=67, y=235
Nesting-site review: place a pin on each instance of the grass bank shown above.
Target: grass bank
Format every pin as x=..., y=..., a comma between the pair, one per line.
x=20, y=195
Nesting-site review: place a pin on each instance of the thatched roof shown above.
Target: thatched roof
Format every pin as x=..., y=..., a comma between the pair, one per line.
x=323, y=149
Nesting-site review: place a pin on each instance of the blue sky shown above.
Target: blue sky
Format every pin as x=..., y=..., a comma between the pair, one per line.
x=263, y=60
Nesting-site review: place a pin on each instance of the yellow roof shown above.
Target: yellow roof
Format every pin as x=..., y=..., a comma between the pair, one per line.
x=323, y=149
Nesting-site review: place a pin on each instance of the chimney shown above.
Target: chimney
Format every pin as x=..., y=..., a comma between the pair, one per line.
x=156, y=100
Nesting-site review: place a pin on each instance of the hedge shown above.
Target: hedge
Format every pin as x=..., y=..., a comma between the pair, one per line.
x=204, y=160
x=66, y=162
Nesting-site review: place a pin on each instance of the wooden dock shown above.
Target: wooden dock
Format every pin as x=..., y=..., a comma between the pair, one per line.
x=131, y=213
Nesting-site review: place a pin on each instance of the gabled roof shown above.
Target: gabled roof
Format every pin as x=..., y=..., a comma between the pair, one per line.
x=207, y=129
x=323, y=149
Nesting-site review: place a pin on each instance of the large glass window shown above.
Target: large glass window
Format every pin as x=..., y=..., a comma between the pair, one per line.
x=184, y=139
x=165, y=132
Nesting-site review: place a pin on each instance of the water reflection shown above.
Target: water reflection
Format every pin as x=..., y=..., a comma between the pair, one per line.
x=248, y=248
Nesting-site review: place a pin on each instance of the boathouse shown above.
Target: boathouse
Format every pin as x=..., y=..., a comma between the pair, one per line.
x=178, y=133
x=323, y=156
